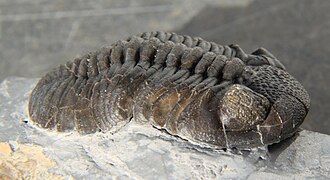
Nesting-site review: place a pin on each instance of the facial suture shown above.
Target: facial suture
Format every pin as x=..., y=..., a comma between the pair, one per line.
x=198, y=90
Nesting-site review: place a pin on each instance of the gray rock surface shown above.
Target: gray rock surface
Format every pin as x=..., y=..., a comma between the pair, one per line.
x=138, y=152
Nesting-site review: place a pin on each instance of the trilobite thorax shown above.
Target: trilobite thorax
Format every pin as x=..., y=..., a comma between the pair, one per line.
x=193, y=88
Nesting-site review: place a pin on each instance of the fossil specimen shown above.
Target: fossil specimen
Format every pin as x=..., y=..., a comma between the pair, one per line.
x=198, y=90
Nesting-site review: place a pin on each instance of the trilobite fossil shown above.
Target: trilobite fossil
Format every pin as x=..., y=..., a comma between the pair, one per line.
x=192, y=88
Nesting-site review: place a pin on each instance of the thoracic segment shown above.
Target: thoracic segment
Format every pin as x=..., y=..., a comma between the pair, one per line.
x=196, y=89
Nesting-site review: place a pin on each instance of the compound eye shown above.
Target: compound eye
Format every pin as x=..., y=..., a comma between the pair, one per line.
x=242, y=109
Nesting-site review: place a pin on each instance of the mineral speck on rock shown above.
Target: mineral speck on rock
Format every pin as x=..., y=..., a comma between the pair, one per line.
x=26, y=162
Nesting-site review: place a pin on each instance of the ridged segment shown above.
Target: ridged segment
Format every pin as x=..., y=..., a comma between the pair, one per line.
x=179, y=83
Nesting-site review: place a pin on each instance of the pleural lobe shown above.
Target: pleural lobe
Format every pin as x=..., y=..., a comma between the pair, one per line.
x=192, y=88
x=95, y=92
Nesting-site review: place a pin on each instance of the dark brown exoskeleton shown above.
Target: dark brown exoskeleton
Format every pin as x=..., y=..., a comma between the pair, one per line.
x=198, y=90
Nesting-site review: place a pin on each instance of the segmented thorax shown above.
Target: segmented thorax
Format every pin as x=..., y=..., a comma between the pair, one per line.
x=196, y=89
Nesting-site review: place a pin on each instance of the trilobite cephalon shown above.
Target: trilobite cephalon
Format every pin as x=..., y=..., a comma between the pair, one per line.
x=198, y=90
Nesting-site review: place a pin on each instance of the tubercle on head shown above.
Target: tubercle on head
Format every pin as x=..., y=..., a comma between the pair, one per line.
x=274, y=83
x=254, y=91
x=289, y=100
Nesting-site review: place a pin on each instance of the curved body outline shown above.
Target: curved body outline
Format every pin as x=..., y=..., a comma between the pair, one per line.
x=192, y=88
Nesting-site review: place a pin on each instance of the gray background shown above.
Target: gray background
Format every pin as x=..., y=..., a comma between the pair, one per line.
x=38, y=35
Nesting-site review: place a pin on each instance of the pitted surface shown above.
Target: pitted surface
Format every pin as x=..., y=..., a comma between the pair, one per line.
x=173, y=82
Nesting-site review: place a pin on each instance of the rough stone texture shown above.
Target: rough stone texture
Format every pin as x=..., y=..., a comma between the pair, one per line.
x=20, y=161
x=146, y=153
